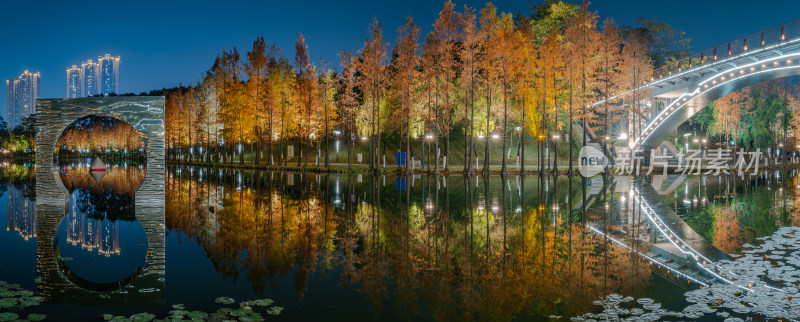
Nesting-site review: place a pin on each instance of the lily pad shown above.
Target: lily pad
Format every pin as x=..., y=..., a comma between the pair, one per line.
x=197, y=315
x=264, y=302
x=225, y=310
x=8, y=302
x=31, y=301
x=8, y=316
x=241, y=312
x=142, y=317
x=36, y=317
x=275, y=310
x=251, y=318
x=225, y=300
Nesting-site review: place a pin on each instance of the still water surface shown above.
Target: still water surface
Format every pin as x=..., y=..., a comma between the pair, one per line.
x=359, y=247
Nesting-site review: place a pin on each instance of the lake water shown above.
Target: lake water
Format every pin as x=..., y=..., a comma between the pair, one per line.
x=360, y=247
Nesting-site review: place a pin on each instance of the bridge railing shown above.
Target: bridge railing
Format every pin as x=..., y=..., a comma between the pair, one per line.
x=765, y=38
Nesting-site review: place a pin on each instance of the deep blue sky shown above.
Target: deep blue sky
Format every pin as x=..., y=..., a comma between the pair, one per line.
x=163, y=43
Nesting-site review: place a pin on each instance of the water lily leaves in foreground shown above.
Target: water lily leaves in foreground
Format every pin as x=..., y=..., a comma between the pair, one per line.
x=8, y=316
x=224, y=300
x=8, y=302
x=244, y=313
x=197, y=315
x=142, y=317
x=31, y=301
x=36, y=317
x=275, y=310
x=764, y=281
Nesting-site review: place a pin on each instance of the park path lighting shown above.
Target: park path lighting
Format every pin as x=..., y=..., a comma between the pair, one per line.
x=311, y=137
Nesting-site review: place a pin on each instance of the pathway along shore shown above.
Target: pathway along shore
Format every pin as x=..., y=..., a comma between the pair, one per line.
x=453, y=170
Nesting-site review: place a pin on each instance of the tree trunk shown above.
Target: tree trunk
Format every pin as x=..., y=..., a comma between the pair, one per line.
x=504, y=170
x=486, y=142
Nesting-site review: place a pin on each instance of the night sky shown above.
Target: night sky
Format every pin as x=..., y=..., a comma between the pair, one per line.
x=164, y=43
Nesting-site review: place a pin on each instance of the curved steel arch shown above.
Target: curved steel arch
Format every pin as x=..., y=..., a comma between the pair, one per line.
x=711, y=88
x=690, y=84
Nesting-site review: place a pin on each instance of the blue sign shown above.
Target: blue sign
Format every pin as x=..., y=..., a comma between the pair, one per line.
x=400, y=158
x=400, y=184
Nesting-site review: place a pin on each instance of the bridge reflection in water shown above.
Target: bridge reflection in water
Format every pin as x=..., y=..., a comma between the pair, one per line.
x=100, y=244
x=674, y=246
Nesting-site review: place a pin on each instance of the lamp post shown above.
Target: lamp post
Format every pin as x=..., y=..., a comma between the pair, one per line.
x=311, y=137
x=428, y=138
x=337, y=133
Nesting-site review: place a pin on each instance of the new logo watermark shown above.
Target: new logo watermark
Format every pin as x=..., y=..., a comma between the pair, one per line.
x=592, y=161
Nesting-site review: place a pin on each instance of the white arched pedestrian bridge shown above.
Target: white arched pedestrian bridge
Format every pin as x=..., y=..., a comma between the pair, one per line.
x=682, y=88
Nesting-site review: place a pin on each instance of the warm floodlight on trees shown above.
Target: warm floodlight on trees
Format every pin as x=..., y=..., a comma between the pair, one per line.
x=623, y=136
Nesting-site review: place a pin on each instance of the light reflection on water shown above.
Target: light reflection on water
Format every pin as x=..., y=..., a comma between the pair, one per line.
x=449, y=248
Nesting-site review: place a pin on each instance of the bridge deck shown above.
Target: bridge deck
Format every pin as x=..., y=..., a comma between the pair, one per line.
x=674, y=224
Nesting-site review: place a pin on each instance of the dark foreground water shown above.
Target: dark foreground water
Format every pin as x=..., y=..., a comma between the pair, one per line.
x=359, y=247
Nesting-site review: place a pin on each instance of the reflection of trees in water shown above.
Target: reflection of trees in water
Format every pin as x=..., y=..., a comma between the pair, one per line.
x=729, y=235
x=468, y=264
x=22, y=177
x=111, y=198
x=262, y=233
x=119, y=180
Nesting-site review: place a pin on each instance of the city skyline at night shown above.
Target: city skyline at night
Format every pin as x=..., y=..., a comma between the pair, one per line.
x=99, y=77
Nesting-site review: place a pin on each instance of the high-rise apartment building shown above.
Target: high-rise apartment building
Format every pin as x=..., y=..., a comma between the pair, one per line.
x=89, y=85
x=94, y=77
x=21, y=95
x=74, y=85
x=109, y=74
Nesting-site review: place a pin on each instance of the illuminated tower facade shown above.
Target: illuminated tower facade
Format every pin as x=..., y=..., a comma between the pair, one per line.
x=109, y=74
x=94, y=77
x=74, y=85
x=21, y=96
x=89, y=82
